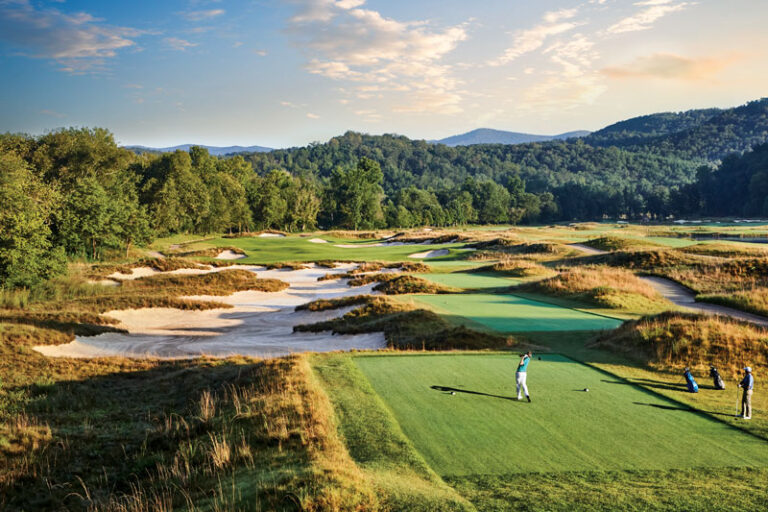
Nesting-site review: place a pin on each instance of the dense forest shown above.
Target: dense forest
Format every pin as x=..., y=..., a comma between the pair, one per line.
x=75, y=192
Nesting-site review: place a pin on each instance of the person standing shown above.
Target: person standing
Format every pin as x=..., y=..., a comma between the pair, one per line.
x=522, y=373
x=747, y=384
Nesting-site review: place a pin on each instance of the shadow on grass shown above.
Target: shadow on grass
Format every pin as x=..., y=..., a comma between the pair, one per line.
x=685, y=409
x=649, y=383
x=446, y=389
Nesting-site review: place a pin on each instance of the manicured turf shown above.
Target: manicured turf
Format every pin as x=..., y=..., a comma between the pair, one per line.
x=481, y=430
x=510, y=313
x=469, y=280
x=293, y=248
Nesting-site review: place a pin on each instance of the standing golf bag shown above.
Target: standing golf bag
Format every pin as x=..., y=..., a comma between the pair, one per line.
x=690, y=382
x=717, y=380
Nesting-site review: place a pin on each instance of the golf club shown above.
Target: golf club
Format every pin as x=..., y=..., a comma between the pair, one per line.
x=738, y=401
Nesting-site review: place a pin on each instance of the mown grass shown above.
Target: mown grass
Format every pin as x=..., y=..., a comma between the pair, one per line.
x=398, y=473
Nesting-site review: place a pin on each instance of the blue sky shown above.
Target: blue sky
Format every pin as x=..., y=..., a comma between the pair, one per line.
x=288, y=72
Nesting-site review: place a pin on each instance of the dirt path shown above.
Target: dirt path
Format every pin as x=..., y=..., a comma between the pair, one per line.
x=684, y=297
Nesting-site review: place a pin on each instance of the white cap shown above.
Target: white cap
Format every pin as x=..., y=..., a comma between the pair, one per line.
x=748, y=369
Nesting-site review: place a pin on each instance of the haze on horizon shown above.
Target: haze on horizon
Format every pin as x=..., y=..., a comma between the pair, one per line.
x=283, y=73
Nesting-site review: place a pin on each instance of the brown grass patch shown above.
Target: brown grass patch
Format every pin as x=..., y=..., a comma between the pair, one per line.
x=753, y=301
x=603, y=286
x=677, y=340
x=406, y=327
x=404, y=284
x=614, y=243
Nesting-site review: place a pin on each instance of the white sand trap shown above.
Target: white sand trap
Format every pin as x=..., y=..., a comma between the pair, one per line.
x=271, y=235
x=140, y=272
x=230, y=255
x=429, y=254
x=103, y=282
x=260, y=324
x=318, y=241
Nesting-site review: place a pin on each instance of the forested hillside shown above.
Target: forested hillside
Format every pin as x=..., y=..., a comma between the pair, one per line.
x=75, y=193
x=705, y=135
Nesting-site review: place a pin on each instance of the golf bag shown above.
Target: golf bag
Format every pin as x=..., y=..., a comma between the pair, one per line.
x=717, y=380
x=690, y=382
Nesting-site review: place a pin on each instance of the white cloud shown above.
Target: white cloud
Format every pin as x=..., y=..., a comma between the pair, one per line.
x=310, y=115
x=260, y=53
x=178, y=44
x=363, y=46
x=78, y=41
x=667, y=66
x=202, y=15
x=52, y=113
x=532, y=39
x=652, y=11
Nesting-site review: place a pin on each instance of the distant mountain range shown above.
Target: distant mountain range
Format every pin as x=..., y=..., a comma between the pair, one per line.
x=489, y=136
x=213, y=150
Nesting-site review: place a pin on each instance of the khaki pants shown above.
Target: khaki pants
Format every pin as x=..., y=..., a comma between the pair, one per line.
x=746, y=403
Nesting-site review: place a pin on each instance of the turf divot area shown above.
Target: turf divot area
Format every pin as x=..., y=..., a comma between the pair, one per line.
x=512, y=313
x=483, y=429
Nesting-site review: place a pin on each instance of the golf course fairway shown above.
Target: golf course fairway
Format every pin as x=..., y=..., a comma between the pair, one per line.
x=483, y=429
x=510, y=313
x=469, y=280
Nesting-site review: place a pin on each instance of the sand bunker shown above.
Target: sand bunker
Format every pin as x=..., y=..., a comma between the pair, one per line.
x=260, y=324
x=138, y=272
x=429, y=254
x=230, y=255
x=318, y=241
x=271, y=235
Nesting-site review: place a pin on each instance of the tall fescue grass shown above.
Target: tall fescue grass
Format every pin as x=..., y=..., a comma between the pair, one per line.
x=603, y=286
x=677, y=340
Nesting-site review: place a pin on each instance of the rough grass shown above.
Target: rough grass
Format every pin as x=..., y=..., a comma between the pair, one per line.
x=516, y=267
x=602, y=286
x=724, y=250
x=677, y=340
x=287, y=265
x=752, y=301
x=100, y=271
x=405, y=284
x=237, y=434
x=614, y=243
x=210, y=252
x=404, y=326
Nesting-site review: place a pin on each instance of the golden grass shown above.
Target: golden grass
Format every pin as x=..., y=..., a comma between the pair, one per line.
x=725, y=250
x=404, y=326
x=677, y=340
x=604, y=286
x=517, y=267
x=753, y=301
x=614, y=243
x=405, y=284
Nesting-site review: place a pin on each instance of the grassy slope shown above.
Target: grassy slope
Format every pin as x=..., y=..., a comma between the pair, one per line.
x=511, y=313
x=482, y=431
x=375, y=441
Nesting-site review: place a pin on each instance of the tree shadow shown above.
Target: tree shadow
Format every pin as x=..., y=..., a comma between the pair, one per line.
x=685, y=409
x=447, y=389
x=650, y=384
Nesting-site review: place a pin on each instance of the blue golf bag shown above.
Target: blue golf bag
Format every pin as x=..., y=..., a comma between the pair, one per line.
x=690, y=382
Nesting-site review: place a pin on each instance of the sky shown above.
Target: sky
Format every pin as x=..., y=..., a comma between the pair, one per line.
x=283, y=73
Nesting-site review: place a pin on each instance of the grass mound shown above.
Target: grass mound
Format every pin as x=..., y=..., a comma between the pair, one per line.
x=405, y=327
x=287, y=265
x=614, y=243
x=399, y=285
x=677, y=340
x=160, y=264
x=516, y=268
x=603, y=286
x=211, y=252
x=225, y=282
x=724, y=250
x=752, y=301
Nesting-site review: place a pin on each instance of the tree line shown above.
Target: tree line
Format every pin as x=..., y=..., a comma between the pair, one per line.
x=76, y=193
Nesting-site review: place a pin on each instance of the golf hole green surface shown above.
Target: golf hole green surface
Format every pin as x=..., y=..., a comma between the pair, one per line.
x=469, y=280
x=510, y=313
x=483, y=429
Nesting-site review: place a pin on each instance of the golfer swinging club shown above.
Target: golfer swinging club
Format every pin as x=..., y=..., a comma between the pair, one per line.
x=522, y=374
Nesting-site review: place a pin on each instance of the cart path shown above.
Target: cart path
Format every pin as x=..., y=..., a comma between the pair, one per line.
x=684, y=297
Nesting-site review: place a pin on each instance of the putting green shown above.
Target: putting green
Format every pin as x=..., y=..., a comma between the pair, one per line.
x=469, y=280
x=482, y=430
x=510, y=313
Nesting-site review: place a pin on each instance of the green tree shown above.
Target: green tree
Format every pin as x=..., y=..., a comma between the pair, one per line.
x=27, y=255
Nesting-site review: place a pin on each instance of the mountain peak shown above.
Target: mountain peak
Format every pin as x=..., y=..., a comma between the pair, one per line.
x=491, y=136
